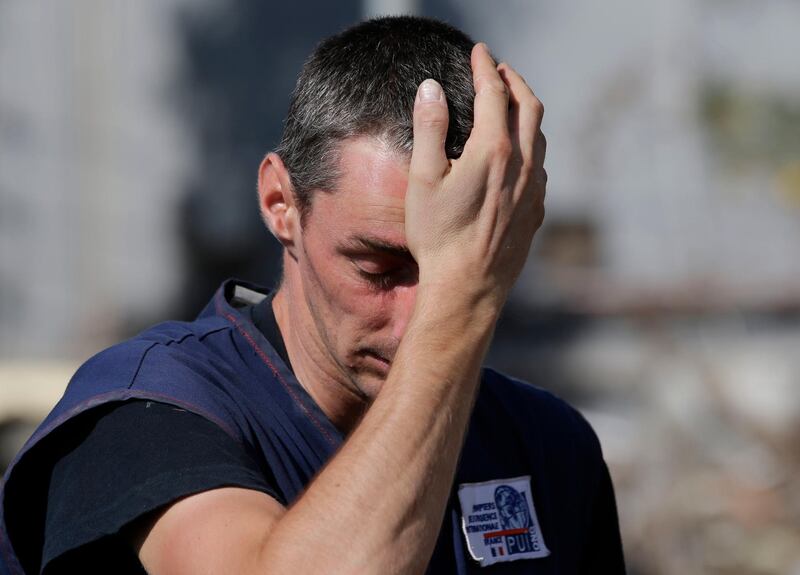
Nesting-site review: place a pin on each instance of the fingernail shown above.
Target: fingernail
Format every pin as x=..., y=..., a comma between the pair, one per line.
x=429, y=91
x=489, y=52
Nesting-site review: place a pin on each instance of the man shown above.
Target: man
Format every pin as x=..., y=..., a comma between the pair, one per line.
x=342, y=424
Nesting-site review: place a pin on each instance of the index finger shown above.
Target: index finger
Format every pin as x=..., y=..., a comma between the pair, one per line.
x=491, y=94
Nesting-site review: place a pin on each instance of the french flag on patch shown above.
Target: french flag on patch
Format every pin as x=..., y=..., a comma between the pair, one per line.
x=499, y=521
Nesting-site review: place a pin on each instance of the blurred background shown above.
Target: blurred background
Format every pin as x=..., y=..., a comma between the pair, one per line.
x=662, y=296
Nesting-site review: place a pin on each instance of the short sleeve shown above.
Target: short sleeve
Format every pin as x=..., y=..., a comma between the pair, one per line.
x=131, y=459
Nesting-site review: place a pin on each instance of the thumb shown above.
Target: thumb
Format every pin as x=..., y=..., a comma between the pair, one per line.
x=428, y=158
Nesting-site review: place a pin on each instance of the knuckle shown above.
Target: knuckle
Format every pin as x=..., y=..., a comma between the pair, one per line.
x=501, y=148
x=538, y=107
x=526, y=169
x=491, y=84
x=430, y=119
x=421, y=180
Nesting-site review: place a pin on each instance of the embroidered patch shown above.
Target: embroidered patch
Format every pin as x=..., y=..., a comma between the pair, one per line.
x=499, y=521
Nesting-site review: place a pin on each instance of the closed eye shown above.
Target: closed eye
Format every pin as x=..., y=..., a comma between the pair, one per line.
x=382, y=280
x=386, y=277
x=381, y=264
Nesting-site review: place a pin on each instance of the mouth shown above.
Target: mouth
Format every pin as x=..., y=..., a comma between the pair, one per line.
x=375, y=361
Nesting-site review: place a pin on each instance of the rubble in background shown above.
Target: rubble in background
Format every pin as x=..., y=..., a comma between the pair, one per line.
x=700, y=425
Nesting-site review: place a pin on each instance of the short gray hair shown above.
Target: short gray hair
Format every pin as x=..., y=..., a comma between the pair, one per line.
x=363, y=82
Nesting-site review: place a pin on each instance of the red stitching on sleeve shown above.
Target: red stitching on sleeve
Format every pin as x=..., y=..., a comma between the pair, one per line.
x=275, y=372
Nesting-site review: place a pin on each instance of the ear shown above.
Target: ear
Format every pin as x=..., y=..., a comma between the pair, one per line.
x=276, y=201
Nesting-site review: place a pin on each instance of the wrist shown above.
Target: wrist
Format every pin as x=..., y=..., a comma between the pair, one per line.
x=454, y=307
x=457, y=293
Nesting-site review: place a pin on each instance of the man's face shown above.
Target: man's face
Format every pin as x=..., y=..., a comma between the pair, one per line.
x=358, y=278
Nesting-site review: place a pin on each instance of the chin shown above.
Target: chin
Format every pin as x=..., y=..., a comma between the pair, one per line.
x=369, y=382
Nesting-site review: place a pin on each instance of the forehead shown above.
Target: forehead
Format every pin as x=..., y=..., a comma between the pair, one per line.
x=370, y=196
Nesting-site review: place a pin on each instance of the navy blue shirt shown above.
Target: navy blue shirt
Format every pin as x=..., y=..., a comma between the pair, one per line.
x=101, y=470
x=104, y=458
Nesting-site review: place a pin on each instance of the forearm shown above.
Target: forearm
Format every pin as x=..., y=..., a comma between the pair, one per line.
x=382, y=497
x=377, y=506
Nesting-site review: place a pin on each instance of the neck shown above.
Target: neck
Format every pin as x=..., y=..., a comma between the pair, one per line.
x=313, y=365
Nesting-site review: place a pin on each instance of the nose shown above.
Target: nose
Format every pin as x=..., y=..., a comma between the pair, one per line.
x=403, y=308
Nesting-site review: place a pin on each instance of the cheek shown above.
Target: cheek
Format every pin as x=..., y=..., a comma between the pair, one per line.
x=361, y=307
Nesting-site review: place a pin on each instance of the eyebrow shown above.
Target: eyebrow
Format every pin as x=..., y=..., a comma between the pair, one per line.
x=364, y=243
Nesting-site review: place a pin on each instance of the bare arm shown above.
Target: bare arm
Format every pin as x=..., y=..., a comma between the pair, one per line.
x=378, y=505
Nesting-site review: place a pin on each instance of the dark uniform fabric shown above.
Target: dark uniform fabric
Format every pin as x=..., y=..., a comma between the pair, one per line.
x=125, y=461
x=142, y=455
x=219, y=383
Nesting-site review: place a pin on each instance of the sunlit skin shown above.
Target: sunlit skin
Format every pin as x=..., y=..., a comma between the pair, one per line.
x=351, y=267
x=345, y=311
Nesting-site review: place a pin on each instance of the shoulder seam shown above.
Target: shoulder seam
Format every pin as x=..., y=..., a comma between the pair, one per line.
x=260, y=353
